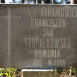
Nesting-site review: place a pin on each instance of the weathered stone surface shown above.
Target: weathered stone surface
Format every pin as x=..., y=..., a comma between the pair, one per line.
x=40, y=74
x=3, y=35
x=38, y=36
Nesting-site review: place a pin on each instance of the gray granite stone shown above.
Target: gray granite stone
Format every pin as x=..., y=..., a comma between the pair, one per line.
x=20, y=40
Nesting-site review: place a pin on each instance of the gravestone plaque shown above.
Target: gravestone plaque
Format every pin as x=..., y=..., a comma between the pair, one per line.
x=39, y=36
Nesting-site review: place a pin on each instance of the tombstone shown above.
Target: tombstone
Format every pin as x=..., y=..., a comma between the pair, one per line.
x=38, y=36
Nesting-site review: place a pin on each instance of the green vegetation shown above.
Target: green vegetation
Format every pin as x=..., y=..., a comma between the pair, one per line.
x=9, y=72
